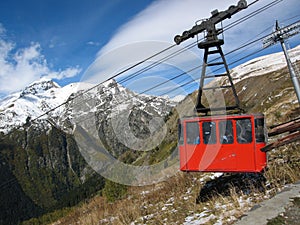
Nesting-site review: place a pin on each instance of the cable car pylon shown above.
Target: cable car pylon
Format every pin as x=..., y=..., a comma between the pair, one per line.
x=212, y=41
x=280, y=35
x=207, y=45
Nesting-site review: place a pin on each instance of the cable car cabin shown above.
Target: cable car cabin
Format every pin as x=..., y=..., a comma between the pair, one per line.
x=222, y=143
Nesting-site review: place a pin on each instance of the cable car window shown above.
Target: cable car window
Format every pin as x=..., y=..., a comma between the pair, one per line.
x=244, y=131
x=192, y=133
x=180, y=134
x=260, y=130
x=209, y=132
x=226, y=132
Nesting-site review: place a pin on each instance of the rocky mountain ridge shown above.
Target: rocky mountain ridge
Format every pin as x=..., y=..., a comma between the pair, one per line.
x=44, y=95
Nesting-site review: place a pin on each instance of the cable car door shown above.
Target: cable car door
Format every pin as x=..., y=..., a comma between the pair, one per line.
x=245, y=145
x=227, y=153
x=192, y=145
x=216, y=157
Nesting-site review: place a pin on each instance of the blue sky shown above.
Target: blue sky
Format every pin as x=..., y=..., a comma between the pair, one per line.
x=69, y=33
x=70, y=40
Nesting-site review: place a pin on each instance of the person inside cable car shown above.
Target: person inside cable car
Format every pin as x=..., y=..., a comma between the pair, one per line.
x=226, y=132
x=227, y=139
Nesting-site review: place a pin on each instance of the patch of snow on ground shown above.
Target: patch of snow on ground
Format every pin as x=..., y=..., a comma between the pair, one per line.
x=199, y=218
x=215, y=175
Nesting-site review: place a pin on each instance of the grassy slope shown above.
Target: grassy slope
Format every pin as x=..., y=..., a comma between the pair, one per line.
x=173, y=200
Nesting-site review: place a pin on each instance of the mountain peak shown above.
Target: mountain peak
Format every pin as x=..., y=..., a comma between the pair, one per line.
x=40, y=86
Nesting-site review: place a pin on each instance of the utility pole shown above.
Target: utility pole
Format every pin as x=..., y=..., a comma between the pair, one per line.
x=280, y=35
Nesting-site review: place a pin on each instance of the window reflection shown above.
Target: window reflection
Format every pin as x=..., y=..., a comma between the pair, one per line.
x=209, y=132
x=259, y=130
x=226, y=132
x=180, y=134
x=192, y=133
x=244, y=131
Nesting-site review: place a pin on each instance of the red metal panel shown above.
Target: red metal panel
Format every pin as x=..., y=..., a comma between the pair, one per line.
x=218, y=157
x=260, y=157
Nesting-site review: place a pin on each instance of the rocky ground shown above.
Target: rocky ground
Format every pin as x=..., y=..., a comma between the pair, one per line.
x=284, y=208
x=290, y=216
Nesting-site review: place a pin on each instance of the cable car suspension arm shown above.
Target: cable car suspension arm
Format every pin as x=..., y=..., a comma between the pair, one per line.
x=209, y=24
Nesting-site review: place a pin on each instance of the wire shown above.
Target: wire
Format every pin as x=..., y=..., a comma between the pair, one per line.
x=156, y=63
x=184, y=84
x=162, y=60
x=135, y=74
x=181, y=50
x=193, y=44
x=189, y=82
x=252, y=3
x=97, y=85
x=249, y=16
x=229, y=26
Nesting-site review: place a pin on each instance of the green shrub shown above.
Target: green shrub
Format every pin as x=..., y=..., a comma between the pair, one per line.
x=114, y=191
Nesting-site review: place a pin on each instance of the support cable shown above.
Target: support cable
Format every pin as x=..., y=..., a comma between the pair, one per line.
x=235, y=23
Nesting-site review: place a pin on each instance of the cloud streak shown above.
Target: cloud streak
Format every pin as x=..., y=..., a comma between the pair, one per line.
x=163, y=19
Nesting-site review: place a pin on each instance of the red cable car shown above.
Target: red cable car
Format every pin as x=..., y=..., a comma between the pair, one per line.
x=227, y=143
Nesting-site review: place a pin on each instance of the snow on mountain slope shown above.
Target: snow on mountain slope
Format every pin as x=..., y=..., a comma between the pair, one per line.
x=43, y=95
x=32, y=101
x=263, y=65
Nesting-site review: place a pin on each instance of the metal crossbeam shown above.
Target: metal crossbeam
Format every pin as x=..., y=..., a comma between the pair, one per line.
x=209, y=25
x=281, y=35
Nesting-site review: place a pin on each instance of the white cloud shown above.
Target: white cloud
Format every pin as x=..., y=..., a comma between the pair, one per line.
x=67, y=73
x=149, y=32
x=164, y=19
x=93, y=43
x=20, y=67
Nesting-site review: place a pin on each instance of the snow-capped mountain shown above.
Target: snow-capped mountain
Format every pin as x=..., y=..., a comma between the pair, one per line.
x=31, y=102
x=44, y=95
x=254, y=70
x=264, y=64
